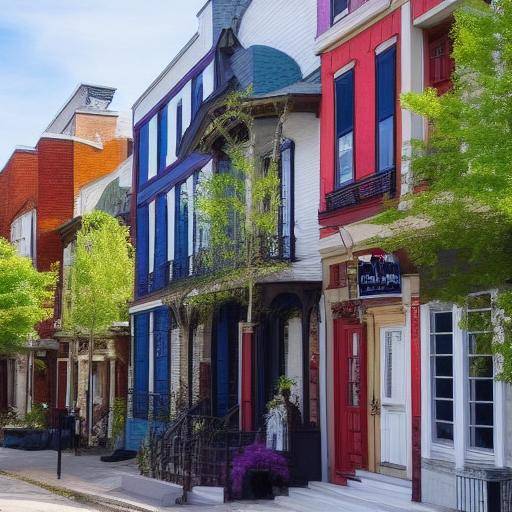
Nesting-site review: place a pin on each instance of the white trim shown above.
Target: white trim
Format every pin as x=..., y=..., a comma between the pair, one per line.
x=385, y=45
x=344, y=69
x=72, y=138
x=171, y=207
x=139, y=308
x=151, y=232
x=437, y=14
x=459, y=385
x=349, y=24
x=426, y=437
x=151, y=352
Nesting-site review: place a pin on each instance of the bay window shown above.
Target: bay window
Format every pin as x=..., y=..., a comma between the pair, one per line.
x=386, y=93
x=345, y=128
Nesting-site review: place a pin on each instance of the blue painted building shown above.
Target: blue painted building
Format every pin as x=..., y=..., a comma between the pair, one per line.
x=180, y=358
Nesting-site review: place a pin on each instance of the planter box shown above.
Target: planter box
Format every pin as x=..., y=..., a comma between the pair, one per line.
x=26, y=438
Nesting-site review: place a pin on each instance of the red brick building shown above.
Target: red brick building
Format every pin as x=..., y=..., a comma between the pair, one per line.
x=39, y=188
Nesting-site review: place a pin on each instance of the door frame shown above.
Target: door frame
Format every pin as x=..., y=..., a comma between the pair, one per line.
x=343, y=469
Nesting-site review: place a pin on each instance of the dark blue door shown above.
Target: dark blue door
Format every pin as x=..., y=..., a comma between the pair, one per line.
x=141, y=363
x=161, y=327
x=161, y=268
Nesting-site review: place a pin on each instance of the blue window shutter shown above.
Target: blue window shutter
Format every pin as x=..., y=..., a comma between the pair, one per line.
x=179, y=124
x=143, y=153
x=386, y=70
x=222, y=362
x=345, y=103
x=161, y=271
x=142, y=245
x=162, y=138
x=141, y=365
x=287, y=199
x=197, y=93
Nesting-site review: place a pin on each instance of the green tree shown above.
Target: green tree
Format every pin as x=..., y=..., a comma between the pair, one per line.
x=458, y=229
x=101, y=281
x=239, y=206
x=26, y=298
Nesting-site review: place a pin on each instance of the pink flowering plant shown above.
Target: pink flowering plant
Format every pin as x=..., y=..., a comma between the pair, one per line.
x=258, y=457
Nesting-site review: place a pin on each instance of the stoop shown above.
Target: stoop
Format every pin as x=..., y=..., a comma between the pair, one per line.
x=165, y=493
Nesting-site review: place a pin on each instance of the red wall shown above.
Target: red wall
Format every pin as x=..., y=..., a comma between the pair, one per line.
x=361, y=49
x=420, y=7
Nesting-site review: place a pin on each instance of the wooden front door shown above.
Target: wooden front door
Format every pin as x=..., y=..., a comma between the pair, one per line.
x=3, y=385
x=350, y=400
x=62, y=383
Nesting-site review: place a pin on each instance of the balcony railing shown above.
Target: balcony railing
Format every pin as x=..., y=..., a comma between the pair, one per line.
x=368, y=188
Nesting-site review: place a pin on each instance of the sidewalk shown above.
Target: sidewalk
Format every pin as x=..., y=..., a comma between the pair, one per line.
x=99, y=482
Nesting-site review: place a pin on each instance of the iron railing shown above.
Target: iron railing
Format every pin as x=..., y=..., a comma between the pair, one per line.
x=376, y=185
x=477, y=493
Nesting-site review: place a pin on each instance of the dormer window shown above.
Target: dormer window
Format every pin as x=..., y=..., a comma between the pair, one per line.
x=339, y=9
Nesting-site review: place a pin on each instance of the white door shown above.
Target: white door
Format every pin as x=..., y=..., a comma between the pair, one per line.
x=394, y=441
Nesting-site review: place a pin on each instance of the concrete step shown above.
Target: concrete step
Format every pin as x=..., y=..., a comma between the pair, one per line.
x=377, y=477
x=203, y=495
x=325, y=500
x=354, y=487
x=164, y=493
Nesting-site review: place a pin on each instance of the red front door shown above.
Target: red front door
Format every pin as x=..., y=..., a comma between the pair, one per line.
x=350, y=400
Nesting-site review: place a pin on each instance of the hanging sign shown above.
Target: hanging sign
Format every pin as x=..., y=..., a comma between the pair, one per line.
x=379, y=274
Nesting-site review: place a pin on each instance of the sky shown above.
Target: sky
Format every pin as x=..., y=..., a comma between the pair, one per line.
x=48, y=47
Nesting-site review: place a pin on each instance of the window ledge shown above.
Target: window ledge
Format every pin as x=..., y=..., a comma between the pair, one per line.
x=350, y=23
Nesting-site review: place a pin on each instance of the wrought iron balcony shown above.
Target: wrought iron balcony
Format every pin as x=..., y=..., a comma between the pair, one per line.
x=368, y=188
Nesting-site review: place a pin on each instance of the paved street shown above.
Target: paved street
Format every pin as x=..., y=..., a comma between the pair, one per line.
x=16, y=496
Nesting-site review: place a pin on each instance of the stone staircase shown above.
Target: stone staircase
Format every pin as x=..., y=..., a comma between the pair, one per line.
x=373, y=493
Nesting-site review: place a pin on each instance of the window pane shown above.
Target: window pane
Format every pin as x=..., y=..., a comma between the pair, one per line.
x=481, y=414
x=481, y=390
x=444, y=388
x=338, y=6
x=443, y=322
x=481, y=437
x=480, y=366
x=444, y=410
x=480, y=343
x=479, y=321
x=444, y=366
x=386, y=144
x=444, y=431
x=444, y=344
x=345, y=158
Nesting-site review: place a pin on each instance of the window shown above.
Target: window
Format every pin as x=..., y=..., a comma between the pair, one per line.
x=441, y=364
x=143, y=153
x=153, y=147
x=22, y=230
x=162, y=139
x=197, y=93
x=151, y=238
x=179, y=124
x=441, y=65
x=386, y=92
x=480, y=372
x=345, y=128
x=339, y=9
x=181, y=232
x=286, y=224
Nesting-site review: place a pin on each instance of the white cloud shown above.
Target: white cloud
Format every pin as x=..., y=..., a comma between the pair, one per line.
x=52, y=45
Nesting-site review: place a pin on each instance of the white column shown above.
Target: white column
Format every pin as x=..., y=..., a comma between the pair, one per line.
x=426, y=418
x=294, y=366
x=412, y=79
x=459, y=392
x=322, y=379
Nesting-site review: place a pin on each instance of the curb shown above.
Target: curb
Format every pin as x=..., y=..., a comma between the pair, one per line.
x=106, y=503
